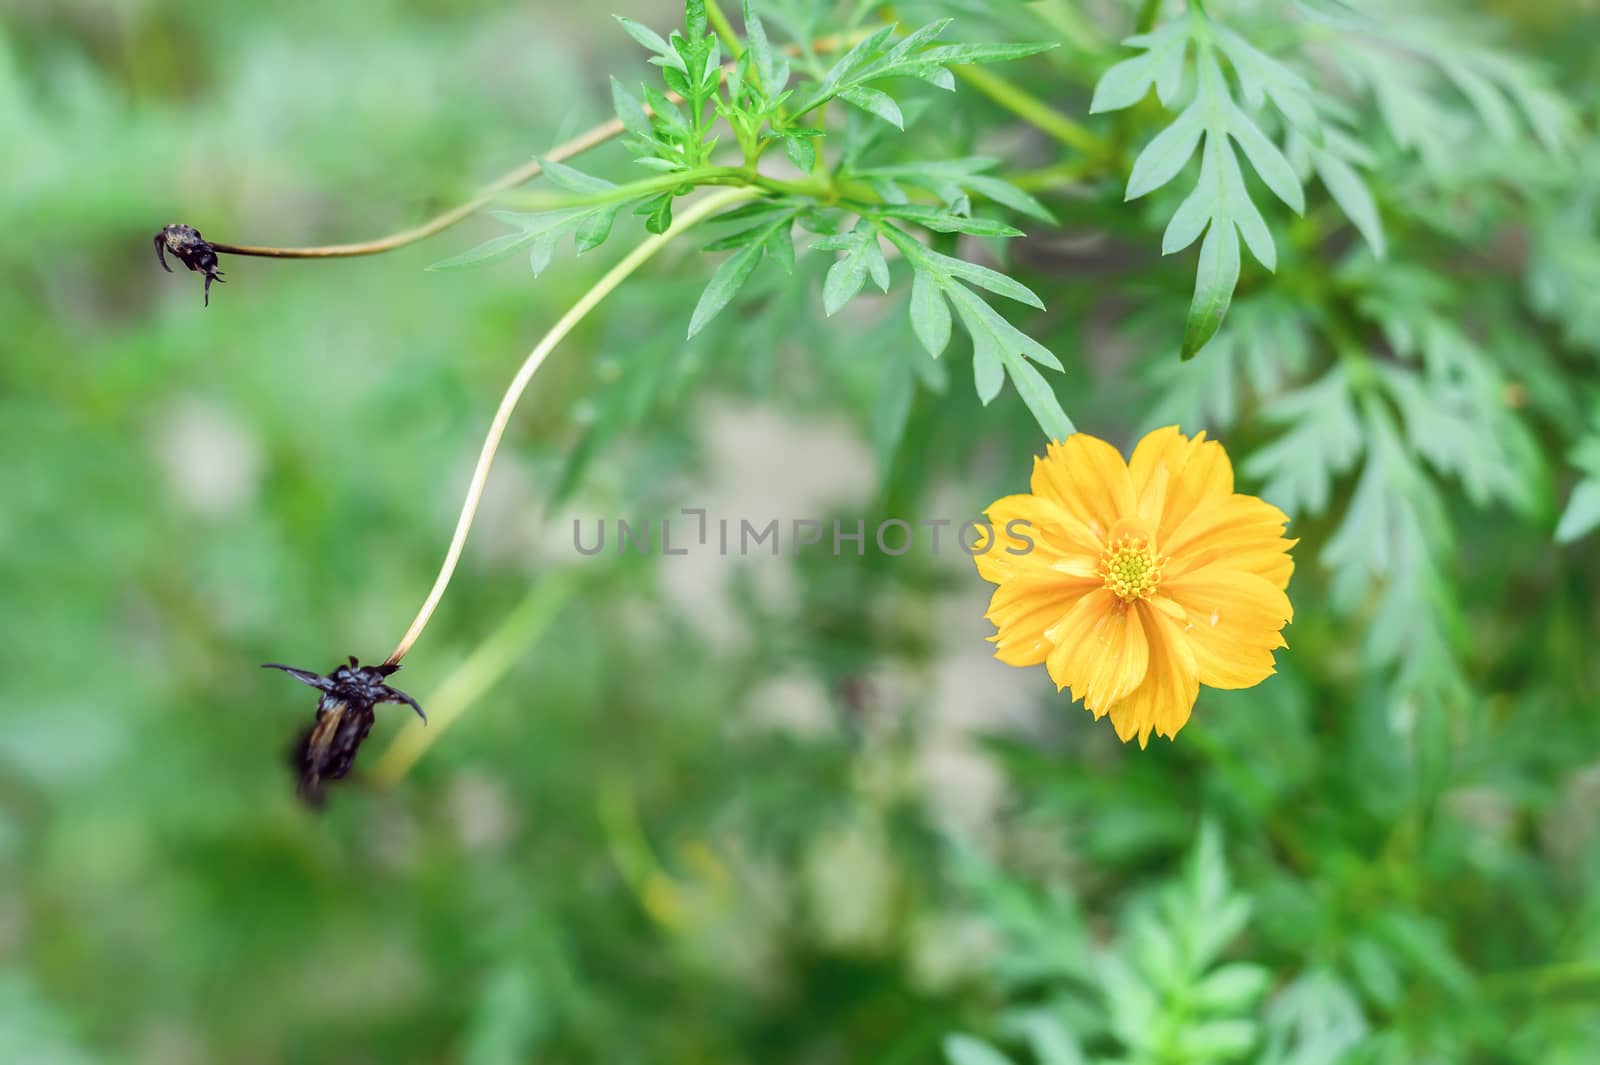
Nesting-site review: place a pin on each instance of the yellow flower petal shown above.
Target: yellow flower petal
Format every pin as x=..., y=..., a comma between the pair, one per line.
x=1044, y=561
x=1100, y=651
x=1023, y=610
x=1088, y=478
x=1171, y=683
x=1232, y=621
x=1035, y=537
x=1243, y=531
x=1173, y=475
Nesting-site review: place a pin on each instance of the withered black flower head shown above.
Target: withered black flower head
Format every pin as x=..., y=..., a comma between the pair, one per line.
x=186, y=243
x=344, y=717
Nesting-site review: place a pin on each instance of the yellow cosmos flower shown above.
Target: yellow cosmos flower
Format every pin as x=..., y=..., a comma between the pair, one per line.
x=1144, y=579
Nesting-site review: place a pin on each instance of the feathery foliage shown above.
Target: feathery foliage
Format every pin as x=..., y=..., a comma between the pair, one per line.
x=786, y=809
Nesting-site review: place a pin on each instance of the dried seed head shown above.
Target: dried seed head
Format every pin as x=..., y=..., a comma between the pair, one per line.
x=344, y=717
x=191, y=250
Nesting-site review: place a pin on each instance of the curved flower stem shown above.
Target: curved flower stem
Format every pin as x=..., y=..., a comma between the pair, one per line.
x=527, y=172
x=519, y=384
x=482, y=669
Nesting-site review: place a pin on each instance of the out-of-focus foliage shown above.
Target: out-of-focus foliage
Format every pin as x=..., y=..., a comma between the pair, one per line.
x=758, y=810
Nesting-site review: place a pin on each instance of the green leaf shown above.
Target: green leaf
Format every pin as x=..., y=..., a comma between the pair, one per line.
x=780, y=246
x=1040, y=398
x=657, y=213
x=1195, y=212
x=1220, y=205
x=800, y=151
x=1336, y=13
x=877, y=265
x=973, y=54
x=966, y=1050
x=1268, y=161
x=1498, y=86
x=988, y=361
x=870, y=60
x=1263, y=78
x=1350, y=192
x=541, y=252
x=630, y=111
x=667, y=113
x=1264, y=342
x=1217, y=1040
x=1232, y=988
x=595, y=228
x=572, y=179
x=724, y=285
x=769, y=235
x=1582, y=515
x=1008, y=195
x=531, y=226
x=998, y=347
x=985, y=278
x=930, y=314
x=694, y=19
x=645, y=36
x=1051, y=1041
x=1323, y=441
x=1236, y=205
x=877, y=103
x=844, y=280
x=1213, y=288
x=951, y=180
x=760, y=50
x=1167, y=152
x=941, y=221
x=1315, y=1020
x=1127, y=83
x=489, y=249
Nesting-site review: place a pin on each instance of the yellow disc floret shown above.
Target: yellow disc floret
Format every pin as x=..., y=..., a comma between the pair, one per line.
x=1130, y=568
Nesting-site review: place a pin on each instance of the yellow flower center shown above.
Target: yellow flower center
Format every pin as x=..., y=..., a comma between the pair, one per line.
x=1130, y=568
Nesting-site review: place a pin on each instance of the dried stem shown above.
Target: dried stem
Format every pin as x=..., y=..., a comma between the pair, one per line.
x=519, y=384
x=527, y=172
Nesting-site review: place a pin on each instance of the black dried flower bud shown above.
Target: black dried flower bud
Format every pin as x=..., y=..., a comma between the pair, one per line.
x=344, y=717
x=191, y=249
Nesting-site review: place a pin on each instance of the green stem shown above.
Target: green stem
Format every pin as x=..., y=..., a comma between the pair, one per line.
x=1147, y=16
x=633, y=190
x=724, y=29
x=1069, y=21
x=735, y=177
x=1060, y=175
x=519, y=384
x=1545, y=979
x=1032, y=110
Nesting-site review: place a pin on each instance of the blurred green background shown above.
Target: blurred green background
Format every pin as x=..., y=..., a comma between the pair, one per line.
x=714, y=811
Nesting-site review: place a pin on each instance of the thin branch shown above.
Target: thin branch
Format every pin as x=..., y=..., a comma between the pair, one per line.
x=527, y=172
x=1147, y=16
x=1032, y=110
x=519, y=384
x=724, y=29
